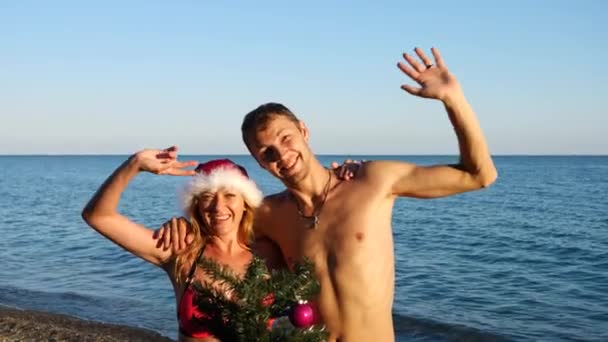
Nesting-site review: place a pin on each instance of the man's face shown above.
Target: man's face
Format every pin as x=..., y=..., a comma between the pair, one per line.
x=281, y=147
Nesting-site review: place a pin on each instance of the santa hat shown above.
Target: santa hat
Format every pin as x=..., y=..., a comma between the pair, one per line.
x=221, y=174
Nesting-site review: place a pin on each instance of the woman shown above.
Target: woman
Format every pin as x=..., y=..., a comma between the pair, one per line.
x=219, y=201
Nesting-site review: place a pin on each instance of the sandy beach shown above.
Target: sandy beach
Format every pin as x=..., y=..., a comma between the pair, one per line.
x=26, y=325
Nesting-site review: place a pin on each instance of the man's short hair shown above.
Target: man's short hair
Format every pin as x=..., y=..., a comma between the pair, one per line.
x=258, y=118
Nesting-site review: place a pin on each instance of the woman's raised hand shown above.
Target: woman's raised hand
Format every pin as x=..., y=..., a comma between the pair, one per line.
x=163, y=162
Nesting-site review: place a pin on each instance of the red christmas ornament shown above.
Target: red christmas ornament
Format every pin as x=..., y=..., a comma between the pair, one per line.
x=268, y=300
x=302, y=315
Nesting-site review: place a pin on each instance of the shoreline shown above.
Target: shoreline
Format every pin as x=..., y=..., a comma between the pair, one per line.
x=27, y=325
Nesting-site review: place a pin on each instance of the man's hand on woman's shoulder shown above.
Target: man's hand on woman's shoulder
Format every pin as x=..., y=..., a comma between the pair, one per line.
x=175, y=234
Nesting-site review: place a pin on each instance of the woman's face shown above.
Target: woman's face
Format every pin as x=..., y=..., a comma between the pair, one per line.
x=222, y=210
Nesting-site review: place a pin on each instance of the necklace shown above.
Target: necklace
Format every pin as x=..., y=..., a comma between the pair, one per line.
x=311, y=222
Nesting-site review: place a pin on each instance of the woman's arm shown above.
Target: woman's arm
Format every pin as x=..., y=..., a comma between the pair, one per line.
x=102, y=215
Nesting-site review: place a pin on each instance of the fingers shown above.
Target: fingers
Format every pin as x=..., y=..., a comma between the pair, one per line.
x=346, y=173
x=175, y=235
x=338, y=170
x=184, y=164
x=415, y=68
x=181, y=237
x=167, y=235
x=341, y=171
x=414, y=63
x=168, y=153
x=438, y=58
x=413, y=74
x=347, y=170
x=177, y=168
x=159, y=236
x=171, y=151
x=189, y=238
x=182, y=172
x=171, y=166
x=353, y=168
x=182, y=230
x=412, y=90
x=427, y=61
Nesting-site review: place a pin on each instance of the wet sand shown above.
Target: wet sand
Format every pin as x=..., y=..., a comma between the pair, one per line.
x=27, y=325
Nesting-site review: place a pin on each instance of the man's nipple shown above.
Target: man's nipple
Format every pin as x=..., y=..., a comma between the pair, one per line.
x=359, y=236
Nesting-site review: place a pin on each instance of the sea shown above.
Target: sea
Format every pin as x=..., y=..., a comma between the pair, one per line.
x=523, y=260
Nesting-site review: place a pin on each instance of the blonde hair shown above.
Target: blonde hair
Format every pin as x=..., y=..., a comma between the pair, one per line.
x=184, y=261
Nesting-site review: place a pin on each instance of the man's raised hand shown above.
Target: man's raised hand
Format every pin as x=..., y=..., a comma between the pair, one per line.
x=435, y=81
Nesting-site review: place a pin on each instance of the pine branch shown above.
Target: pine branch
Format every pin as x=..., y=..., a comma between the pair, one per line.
x=257, y=297
x=221, y=274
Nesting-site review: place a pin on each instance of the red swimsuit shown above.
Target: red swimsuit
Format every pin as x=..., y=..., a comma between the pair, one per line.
x=186, y=314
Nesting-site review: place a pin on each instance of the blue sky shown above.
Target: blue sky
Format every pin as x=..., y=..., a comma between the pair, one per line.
x=80, y=77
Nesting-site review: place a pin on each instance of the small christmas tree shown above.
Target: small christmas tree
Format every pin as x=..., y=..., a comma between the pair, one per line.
x=256, y=298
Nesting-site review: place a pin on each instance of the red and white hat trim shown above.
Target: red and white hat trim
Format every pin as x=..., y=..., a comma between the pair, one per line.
x=221, y=174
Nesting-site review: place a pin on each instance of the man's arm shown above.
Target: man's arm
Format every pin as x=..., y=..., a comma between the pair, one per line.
x=270, y=252
x=475, y=169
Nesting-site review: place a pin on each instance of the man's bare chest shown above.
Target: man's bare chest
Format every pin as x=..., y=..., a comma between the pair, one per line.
x=341, y=226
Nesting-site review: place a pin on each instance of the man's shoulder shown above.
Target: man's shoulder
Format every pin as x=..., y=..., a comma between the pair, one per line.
x=382, y=167
x=272, y=201
x=269, y=212
x=381, y=174
x=276, y=198
x=371, y=169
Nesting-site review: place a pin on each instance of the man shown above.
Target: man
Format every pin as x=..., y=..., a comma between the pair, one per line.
x=344, y=227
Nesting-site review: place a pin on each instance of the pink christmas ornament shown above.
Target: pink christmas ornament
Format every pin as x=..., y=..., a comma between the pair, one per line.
x=302, y=315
